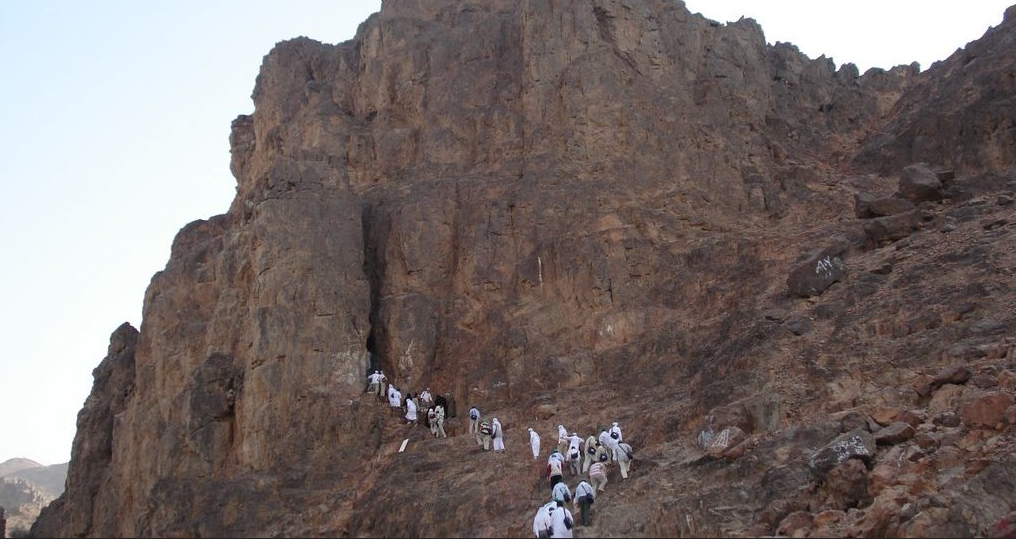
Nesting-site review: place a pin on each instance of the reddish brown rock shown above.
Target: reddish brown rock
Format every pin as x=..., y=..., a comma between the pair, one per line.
x=894, y=433
x=956, y=374
x=846, y=485
x=856, y=444
x=587, y=205
x=885, y=416
x=797, y=524
x=985, y=410
x=918, y=183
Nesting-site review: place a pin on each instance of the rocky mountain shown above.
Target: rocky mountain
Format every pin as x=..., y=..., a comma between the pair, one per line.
x=26, y=487
x=791, y=284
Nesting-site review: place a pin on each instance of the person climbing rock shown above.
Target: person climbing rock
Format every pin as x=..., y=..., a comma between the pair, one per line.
x=381, y=384
x=561, y=521
x=561, y=492
x=562, y=439
x=426, y=399
x=483, y=437
x=574, y=453
x=439, y=416
x=585, y=495
x=554, y=464
x=534, y=443
x=474, y=420
x=598, y=475
x=373, y=380
x=590, y=453
x=606, y=441
x=498, y=434
x=615, y=433
x=624, y=455
x=542, y=522
x=411, y=416
x=432, y=421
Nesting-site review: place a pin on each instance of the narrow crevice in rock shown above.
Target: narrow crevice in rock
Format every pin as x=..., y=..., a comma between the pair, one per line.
x=374, y=271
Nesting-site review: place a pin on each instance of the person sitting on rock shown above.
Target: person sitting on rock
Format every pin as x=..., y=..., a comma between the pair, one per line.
x=483, y=437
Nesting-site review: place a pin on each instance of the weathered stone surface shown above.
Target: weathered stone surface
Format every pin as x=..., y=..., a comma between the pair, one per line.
x=817, y=272
x=797, y=524
x=894, y=433
x=918, y=183
x=588, y=205
x=885, y=416
x=856, y=444
x=892, y=228
x=846, y=485
x=868, y=206
x=985, y=409
x=956, y=374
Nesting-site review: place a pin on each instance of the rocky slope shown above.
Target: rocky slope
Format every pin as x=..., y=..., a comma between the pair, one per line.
x=26, y=487
x=576, y=212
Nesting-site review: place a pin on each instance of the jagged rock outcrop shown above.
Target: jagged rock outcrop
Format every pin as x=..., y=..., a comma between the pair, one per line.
x=589, y=204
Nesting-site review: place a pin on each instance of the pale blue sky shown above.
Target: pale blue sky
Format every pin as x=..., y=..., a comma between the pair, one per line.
x=114, y=124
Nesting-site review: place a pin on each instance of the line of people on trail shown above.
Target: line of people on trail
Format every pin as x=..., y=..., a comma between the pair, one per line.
x=437, y=407
x=553, y=519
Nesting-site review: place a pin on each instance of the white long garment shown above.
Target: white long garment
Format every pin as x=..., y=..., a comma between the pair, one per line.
x=573, y=446
x=542, y=520
x=562, y=434
x=410, y=410
x=562, y=522
x=498, y=436
x=534, y=441
x=605, y=439
x=617, y=430
x=395, y=400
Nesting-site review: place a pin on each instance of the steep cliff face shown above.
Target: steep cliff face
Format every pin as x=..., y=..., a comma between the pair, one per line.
x=587, y=204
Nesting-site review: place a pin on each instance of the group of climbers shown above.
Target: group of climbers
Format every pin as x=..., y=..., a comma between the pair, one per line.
x=437, y=408
x=553, y=519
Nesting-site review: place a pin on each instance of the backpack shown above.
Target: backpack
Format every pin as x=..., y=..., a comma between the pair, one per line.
x=603, y=457
x=591, y=449
x=474, y=416
x=485, y=429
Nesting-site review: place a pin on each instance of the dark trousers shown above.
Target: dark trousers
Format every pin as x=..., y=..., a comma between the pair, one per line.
x=585, y=505
x=554, y=479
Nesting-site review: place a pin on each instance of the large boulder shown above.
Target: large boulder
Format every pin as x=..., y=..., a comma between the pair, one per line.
x=818, y=271
x=985, y=410
x=895, y=433
x=856, y=444
x=892, y=228
x=919, y=183
x=867, y=206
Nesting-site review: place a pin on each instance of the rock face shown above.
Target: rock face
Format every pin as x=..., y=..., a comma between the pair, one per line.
x=564, y=212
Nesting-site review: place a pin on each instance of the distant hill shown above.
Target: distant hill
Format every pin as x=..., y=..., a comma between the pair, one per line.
x=17, y=465
x=26, y=487
x=47, y=479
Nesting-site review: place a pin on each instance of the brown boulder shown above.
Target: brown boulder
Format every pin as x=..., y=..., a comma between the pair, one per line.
x=956, y=374
x=891, y=228
x=919, y=183
x=796, y=524
x=894, y=434
x=867, y=206
x=885, y=416
x=817, y=272
x=725, y=440
x=985, y=410
x=856, y=444
x=946, y=399
x=846, y=485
